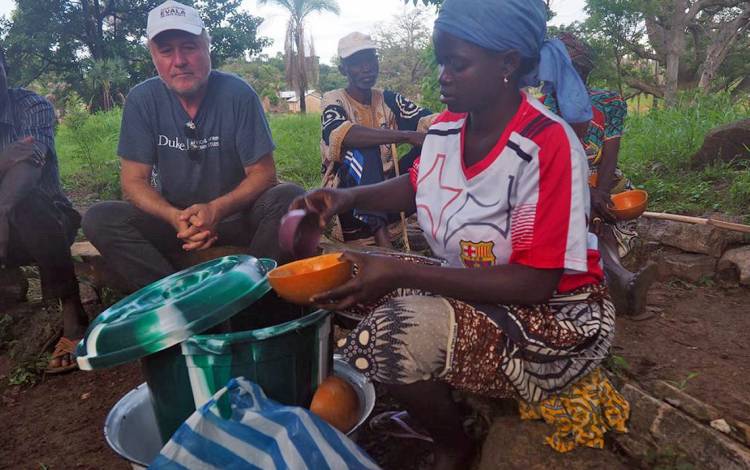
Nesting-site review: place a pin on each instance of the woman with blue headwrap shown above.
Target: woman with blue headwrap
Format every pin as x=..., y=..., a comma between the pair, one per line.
x=521, y=309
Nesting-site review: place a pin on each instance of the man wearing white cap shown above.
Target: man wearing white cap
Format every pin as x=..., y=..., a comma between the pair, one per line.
x=359, y=125
x=197, y=160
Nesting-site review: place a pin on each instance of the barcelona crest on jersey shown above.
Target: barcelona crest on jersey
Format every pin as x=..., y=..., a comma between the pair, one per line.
x=477, y=255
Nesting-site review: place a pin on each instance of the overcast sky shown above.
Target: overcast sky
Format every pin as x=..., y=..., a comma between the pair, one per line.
x=356, y=15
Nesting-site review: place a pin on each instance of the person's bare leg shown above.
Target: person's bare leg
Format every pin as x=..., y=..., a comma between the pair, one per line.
x=75, y=322
x=431, y=404
x=628, y=289
x=15, y=183
x=382, y=238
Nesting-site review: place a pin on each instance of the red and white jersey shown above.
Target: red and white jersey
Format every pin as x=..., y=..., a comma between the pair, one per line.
x=526, y=202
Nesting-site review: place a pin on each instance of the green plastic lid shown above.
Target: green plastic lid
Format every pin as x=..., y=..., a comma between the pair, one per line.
x=172, y=309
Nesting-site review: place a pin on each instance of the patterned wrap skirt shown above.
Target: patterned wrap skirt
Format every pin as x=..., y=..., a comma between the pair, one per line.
x=525, y=352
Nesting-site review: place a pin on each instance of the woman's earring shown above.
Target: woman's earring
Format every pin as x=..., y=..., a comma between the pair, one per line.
x=505, y=81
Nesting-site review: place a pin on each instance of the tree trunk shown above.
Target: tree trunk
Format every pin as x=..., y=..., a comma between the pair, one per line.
x=618, y=64
x=301, y=72
x=675, y=47
x=720, y=46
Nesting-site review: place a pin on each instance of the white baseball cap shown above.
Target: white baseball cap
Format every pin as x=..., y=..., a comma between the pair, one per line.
x=353, y=43
x=173, y=15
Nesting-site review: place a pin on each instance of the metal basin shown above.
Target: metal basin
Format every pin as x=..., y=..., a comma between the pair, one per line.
x=131, y=431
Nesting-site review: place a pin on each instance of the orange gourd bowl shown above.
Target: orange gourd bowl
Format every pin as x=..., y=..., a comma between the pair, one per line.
x=336, y=402
x=298, y=281
x=629, y=205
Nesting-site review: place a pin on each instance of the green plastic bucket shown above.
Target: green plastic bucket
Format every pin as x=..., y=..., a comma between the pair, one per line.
x=169, y=388
x=288, y=359
x=151, y=323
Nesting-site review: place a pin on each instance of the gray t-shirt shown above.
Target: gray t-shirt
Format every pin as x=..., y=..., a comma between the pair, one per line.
x=231, y=132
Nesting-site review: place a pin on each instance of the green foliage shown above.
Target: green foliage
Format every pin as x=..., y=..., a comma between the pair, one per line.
x=234, y=33
x=617, y=364
x=639, y=33
x=28, y=371
x=430, y=85
x=103, y=78
x=297, y=153
x=401, y=45
x=299, y=72
x=86, y=147
x=65, y=36
x=682, y=384
x=265, y=74
x=330, y=78
x=656, y=151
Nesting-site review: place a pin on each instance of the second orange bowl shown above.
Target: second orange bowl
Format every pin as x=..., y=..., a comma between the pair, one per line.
x=629, y=205
x=298, y=281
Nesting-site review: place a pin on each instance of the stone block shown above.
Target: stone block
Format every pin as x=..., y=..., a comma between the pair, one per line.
x=737, y=259
x=703, y=412
x=515, y=444
x=727, y=143
x=687, y=266
x=657, y=423
x=704, y=239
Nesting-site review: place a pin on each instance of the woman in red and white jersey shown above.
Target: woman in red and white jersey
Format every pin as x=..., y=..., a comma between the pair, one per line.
x=500, y=190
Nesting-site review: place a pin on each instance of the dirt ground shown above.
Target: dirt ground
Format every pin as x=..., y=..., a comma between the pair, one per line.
x=697, y=339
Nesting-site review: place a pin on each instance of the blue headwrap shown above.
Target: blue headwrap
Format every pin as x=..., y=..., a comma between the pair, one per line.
x=502, y=25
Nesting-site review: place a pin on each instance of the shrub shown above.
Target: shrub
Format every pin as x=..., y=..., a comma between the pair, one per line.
x=87, y=151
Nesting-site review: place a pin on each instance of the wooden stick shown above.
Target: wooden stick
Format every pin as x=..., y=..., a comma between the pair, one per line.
x=394, y=154
x=699, y=221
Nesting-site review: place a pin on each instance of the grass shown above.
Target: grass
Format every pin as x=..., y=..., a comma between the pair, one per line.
x=297, y=151
x=87, y=151
x=656, y=151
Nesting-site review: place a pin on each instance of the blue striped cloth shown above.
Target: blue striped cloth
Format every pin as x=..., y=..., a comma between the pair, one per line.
x=261, y=433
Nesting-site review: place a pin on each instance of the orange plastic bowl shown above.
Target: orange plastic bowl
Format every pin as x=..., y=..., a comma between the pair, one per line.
x=629, y=205
x=298, y=281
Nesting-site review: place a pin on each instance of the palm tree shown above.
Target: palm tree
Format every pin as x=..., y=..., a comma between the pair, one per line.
x=294, y=45
x=106, y=76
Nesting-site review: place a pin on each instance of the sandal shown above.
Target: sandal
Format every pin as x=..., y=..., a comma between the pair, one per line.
x=63, y=347
x=394, y=423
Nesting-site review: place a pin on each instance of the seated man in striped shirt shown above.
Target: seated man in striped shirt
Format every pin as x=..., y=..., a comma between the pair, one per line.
x=37, y=222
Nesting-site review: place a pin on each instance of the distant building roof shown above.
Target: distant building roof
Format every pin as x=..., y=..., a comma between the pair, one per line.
x=291, y=96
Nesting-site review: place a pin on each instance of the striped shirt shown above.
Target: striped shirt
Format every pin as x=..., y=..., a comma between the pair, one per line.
x=28, y=114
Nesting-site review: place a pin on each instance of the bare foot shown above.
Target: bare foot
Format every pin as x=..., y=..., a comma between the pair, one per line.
x=75, y=322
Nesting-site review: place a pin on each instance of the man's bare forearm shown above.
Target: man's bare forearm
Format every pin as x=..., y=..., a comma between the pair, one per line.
x=258, y=178
x=143, y=196
x=361, y=136
x=608, y=164
x=393, y=195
